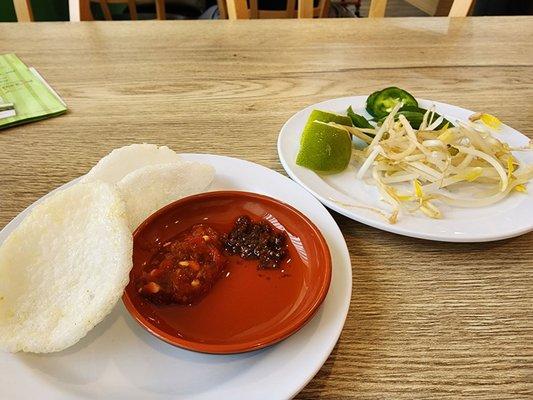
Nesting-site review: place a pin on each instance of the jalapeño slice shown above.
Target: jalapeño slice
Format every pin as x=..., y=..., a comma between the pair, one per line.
x=370, y=102
x=384, y=101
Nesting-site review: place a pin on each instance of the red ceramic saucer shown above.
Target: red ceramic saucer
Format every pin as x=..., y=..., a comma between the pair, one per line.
x=248, y=308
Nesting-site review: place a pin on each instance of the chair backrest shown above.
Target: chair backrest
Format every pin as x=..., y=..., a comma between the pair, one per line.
x=459, y=8
x=23, y=10
x=132, y=8
x=238, y=9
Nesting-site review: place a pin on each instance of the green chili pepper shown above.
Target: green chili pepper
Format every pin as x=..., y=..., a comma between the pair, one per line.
x=414, y=118
x=384, y=101
x=370, y=102
x=379, y=104
x=358, y=120
x=416, y=121
x=414, y=109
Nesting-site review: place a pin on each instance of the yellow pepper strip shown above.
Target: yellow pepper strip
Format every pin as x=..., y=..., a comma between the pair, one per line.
x=511, y=162
x=430, y=210
x=446, y=137
x=418, y=189
x=491, y=121
x=474, y=174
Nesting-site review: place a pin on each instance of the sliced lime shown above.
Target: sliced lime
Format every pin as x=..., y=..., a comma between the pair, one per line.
x=324, y=148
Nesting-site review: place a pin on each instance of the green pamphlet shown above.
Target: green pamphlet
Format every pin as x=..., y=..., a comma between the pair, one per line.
x=24, y=94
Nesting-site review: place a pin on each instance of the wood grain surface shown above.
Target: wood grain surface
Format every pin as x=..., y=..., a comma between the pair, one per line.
x=427, y=320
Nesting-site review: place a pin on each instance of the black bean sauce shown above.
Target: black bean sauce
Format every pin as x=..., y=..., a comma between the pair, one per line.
x=256, y=241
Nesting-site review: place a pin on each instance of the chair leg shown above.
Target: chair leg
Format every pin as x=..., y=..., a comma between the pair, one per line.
x=105, y=10
x=323, y=7
x=377, y=8
x=85, y=12
x=222, y=9
x=460, y=8
x=23, y=10
x=291, y=8
x=254, y=9
x=237, y=9
x=305, y=8
x=133, y=9
x=160, y=9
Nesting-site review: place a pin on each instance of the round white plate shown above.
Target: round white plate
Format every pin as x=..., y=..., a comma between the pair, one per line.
x=121, y=360
x=510, y=217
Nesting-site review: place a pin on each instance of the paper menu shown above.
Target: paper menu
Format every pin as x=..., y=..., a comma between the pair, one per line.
x=24, y=95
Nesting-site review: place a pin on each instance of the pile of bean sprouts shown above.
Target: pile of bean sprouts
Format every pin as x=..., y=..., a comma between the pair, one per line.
x=415, y=169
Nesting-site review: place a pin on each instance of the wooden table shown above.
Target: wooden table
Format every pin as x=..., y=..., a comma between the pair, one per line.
x=427, y=320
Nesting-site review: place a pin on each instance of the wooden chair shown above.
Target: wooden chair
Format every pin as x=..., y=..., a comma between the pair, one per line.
x=23, y=10
x=238, y=9
x=459, y=8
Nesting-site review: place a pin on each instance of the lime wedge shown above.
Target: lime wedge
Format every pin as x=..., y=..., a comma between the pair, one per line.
x=324, y=148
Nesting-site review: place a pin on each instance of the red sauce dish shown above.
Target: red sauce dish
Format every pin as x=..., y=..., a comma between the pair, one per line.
x=248, y=307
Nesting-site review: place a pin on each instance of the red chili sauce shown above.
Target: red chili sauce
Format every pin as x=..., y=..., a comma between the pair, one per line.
x=185, y=268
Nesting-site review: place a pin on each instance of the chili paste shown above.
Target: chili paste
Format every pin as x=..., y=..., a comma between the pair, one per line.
x=184, y=269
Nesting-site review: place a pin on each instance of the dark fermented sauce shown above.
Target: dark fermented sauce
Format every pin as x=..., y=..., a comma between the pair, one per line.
x=245, y=299
x=256, y=241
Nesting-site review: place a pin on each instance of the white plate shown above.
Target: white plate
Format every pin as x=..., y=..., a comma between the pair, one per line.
x=120, y=360
x=510, y=217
